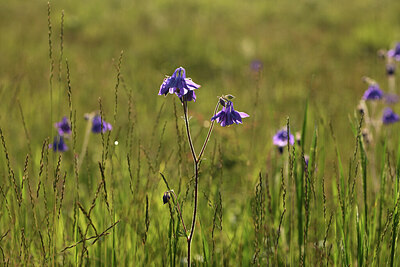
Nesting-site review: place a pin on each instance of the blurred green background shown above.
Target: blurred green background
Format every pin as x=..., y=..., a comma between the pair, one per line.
x=310, y=49
x=315, y=49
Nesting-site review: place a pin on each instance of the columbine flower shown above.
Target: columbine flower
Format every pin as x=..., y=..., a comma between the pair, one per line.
x=58, y=144
x=97, y=127
x=228, y=115
x=389, y=116
x=373, y=93
x=180, y=85
x=280, y=139
x=166, y=197
x=63, y=127
x=395, y=52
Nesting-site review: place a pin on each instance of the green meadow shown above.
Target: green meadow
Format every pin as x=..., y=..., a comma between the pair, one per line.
x=330, y=199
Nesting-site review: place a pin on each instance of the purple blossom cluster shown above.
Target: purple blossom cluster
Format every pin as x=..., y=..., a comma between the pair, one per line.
x=64, y=131
x=375, y=93
x=184, y=88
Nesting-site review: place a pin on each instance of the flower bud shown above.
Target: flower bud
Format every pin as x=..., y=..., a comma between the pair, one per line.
x=166, y=197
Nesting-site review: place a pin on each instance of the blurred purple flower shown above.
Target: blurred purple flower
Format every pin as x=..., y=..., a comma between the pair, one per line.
x=228, y=115
x=58, y=144
x=389, y=116
x=180, y=85
x=280, y=139
x=395, y=52
x=373, y=93
x=97, y=127
x=63, y=127
x=256, y=65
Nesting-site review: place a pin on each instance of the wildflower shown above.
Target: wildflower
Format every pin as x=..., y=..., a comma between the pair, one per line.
x=58, y=144
x=373, y=93
x=63, y=127
x=166, y=197
x=280, y=139
x=180, y=85
x=389, y=116
x=228, y=115
x=395, y=52
x=97, y=127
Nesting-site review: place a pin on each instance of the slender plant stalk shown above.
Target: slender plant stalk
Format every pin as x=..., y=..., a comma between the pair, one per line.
x=185, y=112
x=208, y=134
x=85, y=140
x=196, y=161
x=196, y=181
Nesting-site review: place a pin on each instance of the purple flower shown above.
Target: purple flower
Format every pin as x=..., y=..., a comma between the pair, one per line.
x=180, y=85
x=58, y=144
x=373, y=93
x=166, y=197
x=395, y=52
x=228, y=115
x=280, y=139
x=389, y=116
x=63, y=127
x=97, y=127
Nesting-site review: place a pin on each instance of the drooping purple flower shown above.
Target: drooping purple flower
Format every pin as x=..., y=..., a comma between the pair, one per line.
x=58, y=144
x=228, y=115
x=166, y=197
x=389, y=116
x=280, y=139
x=395, y=52
x=97, y=127
x=180, y=85
x=63, y=127
x=373, y=93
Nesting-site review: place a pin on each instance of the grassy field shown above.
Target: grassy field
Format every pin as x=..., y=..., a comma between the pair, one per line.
x=100, y=202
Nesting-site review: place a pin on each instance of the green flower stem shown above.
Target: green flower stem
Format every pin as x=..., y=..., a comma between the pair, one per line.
x=196, y=174
x=209, y=133
x=85, y=140
x=196, y=161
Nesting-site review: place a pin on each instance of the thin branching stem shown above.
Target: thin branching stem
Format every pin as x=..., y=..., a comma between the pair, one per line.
x=209, y=133
x=196, y=182
x=185, y=111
